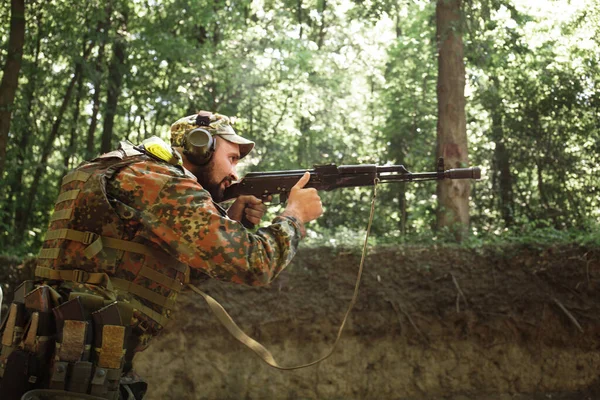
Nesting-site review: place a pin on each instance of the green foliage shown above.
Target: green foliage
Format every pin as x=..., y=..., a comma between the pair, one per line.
x=534, y=116
x=316, y=82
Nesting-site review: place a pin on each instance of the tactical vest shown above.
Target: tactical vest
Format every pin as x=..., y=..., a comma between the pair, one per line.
x=103, y=289
x=88, y=243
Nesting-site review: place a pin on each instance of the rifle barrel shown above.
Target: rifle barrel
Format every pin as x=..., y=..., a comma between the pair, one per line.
x=457, y=173
x=463, y=173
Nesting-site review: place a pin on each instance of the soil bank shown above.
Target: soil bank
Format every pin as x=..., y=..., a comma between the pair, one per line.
x=518, y=322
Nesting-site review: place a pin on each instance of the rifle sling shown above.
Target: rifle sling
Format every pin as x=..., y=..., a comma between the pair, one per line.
x=258, y=348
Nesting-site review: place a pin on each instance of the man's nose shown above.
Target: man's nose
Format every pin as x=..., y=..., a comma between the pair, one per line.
x=233, y=175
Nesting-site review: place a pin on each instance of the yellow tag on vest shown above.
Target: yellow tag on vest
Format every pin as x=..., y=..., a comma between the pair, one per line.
x=158, y=148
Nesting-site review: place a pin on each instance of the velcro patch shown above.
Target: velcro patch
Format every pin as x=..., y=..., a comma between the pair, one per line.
x=73, y=344
x=111, y=353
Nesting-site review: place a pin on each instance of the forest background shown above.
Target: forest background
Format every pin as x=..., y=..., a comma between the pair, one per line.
x=314, y=82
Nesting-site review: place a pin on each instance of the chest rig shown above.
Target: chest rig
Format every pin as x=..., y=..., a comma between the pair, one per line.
x=103, y=290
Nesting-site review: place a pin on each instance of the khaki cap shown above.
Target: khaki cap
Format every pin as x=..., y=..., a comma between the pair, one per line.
x=216, y=124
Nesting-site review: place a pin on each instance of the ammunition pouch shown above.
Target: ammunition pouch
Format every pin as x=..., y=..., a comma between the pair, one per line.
x=27, y=340
x=65, y=345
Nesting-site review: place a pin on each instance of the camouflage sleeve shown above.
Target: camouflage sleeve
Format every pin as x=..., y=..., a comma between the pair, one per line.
x=177, y=214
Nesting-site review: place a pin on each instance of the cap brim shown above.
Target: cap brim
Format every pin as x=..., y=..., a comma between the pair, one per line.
x=246, y=145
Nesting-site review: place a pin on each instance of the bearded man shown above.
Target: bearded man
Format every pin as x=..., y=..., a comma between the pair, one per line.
x=127, y=229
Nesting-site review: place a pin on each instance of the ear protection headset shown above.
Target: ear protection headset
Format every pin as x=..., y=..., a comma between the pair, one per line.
x=198, y=144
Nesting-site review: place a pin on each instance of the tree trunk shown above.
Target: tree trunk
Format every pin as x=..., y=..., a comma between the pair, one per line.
x=398, y=147
x=540, y=184
x=129, y=118
x=116, y=71
x=160, y=108
x=502, y=174
x=321, y=38
x=502, y=181
x=401, y=196
x=299, y=17
x=90, y=147
x=102, y=29
x=302, y=151
x=142, y=128
x=10, y=76
x=73, y=133
x=502, y=161
x=453, y=195
x=48, y=147
x=16, y=196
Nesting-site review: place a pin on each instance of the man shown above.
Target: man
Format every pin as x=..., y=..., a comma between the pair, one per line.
x=126, y=229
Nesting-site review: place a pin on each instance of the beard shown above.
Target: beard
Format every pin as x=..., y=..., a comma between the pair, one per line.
x=206, y=178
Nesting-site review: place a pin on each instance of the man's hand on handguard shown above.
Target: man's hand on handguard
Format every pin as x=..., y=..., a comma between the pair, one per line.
x=303, y=204
x=250, y=206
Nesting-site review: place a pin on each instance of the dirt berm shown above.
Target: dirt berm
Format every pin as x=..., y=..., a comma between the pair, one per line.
x=502, y=323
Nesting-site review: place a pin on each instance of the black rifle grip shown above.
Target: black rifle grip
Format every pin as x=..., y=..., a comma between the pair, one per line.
x=247, y=224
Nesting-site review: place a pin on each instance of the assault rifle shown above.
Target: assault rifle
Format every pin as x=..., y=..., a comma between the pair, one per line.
x=330, y=176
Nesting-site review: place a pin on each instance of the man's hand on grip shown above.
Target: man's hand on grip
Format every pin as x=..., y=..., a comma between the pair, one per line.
x=249, y=206
x=304, y=204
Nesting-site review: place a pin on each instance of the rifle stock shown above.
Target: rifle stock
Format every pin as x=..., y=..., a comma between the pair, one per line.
x=329, y=176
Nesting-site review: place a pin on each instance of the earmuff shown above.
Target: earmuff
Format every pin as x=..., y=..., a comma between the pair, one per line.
x=198, y=144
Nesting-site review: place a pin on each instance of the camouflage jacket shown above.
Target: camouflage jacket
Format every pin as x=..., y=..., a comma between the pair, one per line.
x=137, y=223
x=167, y=206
